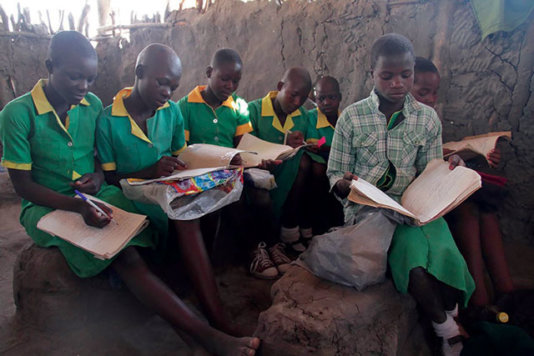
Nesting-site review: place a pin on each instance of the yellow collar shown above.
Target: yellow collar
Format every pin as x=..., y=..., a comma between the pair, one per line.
x=40, y=100
x=196, y=97
x=322, y=121
x=268, y=110
x=118, y=109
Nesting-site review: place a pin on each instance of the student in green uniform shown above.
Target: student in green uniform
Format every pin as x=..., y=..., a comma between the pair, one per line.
x=213, y=113
x=139, y=136
x=387, y=139
x=279, y=118
x=327, y=211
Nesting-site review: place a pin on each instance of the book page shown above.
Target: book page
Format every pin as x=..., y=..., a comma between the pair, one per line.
x=438, y=190
x=470, y=146
x=202, y=155
x=259, y=149
x=363, y=192
x=103, y=243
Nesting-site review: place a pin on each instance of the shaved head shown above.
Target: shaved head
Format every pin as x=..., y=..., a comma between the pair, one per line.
x=298, y=76
x=67, y=44
x=156, y=55
x=329, y=82
x=225, y=55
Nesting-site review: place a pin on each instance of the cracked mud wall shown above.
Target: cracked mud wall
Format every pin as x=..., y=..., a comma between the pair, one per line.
x=486, y=85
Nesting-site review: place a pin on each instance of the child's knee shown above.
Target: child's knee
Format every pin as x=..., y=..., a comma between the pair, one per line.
x=318, y=170
x=305, y=163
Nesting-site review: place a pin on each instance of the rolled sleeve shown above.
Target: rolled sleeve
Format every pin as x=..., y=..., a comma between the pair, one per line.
x=104, y=146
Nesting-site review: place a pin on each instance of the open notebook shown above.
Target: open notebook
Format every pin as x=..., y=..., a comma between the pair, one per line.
x=434, y=193
x=471, y=146
x=104, y=242
x=258, y=149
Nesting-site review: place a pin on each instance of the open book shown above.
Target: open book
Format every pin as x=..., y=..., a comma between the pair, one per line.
x=200, y=158
x=434, y=193
x=256, y=150
x=104, y=242
x=472, y=146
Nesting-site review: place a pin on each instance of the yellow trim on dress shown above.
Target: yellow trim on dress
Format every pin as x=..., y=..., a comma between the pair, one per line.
x=312, y=140
x=186, y=135
x=176, y=153
x=322, y=121
x=14, y=165
x=268, y=110
x=243, y=129
x=195, y=96
x=75, y=175
x=109, y=166
x=118, y=109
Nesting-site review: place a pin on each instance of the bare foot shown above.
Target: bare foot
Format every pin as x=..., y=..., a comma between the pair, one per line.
x=226, y=345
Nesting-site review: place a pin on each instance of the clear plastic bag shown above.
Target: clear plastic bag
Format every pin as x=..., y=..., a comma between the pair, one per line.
x=355, y=255
x=180, y=206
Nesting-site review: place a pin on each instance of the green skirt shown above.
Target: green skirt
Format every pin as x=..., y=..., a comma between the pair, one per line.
x=83, y=263
x=432, y=247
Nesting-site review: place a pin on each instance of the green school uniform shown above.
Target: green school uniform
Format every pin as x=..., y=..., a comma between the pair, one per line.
x=123, y=147
x=267, y=126
x=319, y=127
x=216, y=127
x=35, y=139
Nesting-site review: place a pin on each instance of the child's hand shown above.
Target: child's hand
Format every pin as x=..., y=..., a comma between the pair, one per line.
x=236, y=161
x=166, y=165
x=93, y=217
x=295, y=139
x=314, y=148
x=494, y=157
x=269, y=164
x=455, y=161
x=342, y=187
x=88, y=183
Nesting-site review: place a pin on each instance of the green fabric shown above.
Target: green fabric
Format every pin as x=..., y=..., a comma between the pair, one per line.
x=284, y=175
x=492, y=339
x=316, y=131
x=121, y=150
x=216, y=127
x=262, y=117
x=38, y=142
x=501, y=15
x=83, y=263
x=432, y=247
x=363, y=145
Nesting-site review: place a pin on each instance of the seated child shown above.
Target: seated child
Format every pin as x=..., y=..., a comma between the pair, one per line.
x=213, y=113
x=279, y=118
x=48, y=140
x=474, y=223
x=327, y=212
x=139, y=136
x=387, y=139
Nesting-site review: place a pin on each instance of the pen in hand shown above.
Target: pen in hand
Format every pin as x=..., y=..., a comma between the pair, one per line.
x=88, y=201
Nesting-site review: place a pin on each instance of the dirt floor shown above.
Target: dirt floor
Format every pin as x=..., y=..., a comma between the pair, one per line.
x=144, y=333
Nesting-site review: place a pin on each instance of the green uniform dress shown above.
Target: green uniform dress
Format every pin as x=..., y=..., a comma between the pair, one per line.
x=319, y=127
x=35, y=139
x=216, y=127
x=267, y=126
x=123, y=147
x=391, y=157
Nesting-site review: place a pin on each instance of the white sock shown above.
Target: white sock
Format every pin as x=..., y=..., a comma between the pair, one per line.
x=306, y=233
x=447, y=330
x=453, y=312
x=289, y=234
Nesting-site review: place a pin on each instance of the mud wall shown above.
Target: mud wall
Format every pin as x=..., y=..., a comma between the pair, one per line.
x=486, y=85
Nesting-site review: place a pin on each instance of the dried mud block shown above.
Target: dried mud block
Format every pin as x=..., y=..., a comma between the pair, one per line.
x=49, y=296
x=310, y=316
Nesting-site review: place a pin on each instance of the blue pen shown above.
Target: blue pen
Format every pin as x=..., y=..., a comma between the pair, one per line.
x=88, y=201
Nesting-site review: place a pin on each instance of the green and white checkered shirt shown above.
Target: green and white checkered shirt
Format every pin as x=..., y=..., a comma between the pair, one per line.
x=363, y=145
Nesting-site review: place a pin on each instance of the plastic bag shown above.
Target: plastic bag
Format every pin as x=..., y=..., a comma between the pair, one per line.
x=259, y=178
x=355, y=255
x=194, y=202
